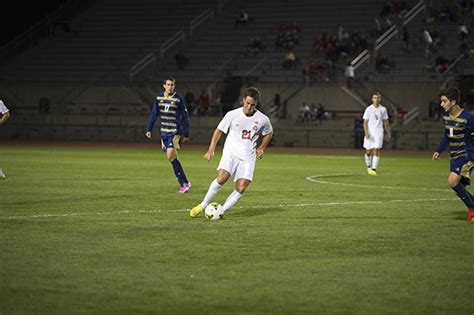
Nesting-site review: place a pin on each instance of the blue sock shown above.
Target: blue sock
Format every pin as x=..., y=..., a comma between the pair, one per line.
x=179, y=172
x=465, y=195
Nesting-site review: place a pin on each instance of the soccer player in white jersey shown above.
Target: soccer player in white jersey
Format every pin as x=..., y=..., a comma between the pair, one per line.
x=4, y=115
x=243, y=126
x=375, y=121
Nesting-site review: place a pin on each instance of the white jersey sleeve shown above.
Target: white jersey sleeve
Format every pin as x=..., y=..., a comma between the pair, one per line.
x=366, y=113
x=3, y=108
x=267, y=127
x=224, y=125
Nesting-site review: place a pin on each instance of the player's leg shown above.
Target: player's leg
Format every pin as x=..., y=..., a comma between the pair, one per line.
x=243, y=177
x=226, y=169
x=216, y=185
x=375, y=159
x=377, y=142
x=368, y=159
x=172, y=145
x=458, y=183
x=368, y=153
x=240, y=187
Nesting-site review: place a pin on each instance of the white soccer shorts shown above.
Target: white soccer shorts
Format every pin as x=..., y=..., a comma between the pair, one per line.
x=374, y=141
x=237, y=168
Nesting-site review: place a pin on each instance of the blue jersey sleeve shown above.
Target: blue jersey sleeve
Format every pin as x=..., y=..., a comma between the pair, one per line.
x=443, y=144
x=184, y=117
x=153, y=117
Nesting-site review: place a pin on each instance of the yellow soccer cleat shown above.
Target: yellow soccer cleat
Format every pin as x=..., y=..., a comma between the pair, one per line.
x=196, y=211
x=372, y=172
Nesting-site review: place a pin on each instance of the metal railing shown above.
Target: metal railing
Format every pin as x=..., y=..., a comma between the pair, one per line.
x=412, y=114
x=364, y=56
x=144, y=62
x=171, y=42
x=199, y=20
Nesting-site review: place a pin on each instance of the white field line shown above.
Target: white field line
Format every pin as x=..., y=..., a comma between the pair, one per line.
x=312, y=204
x=316, y=179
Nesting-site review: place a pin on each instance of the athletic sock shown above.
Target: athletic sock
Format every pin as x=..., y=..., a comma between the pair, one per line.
x=179, y=172
x=375, y=162
x=465, y=195
x=231, y=200
x=368, y=160
x=211, y=193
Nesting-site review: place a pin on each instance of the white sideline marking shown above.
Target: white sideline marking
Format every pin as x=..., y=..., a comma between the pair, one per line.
x=338, y=203
x=315, y=179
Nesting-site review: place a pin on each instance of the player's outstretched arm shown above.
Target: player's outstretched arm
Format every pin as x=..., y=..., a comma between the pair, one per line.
x=212, y=147
x=435, y=156
x=148, y=134
x=265, y=141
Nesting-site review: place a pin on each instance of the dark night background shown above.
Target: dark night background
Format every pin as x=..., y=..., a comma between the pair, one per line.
x=18, y=15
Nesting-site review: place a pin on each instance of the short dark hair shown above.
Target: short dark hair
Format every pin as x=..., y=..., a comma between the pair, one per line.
x=377, y=93
x=169, y=78
x=254, y=93
x=452, y=93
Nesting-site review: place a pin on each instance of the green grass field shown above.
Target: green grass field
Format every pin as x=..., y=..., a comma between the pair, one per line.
x=102, y=230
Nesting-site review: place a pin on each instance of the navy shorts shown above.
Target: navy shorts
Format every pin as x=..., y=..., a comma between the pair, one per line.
x=463, y=167
x=169, y=142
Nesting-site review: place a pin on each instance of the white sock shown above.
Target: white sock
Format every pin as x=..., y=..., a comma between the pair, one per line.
x=231, y=200
x=211, y=193
x=375, y=162
x=368, y=159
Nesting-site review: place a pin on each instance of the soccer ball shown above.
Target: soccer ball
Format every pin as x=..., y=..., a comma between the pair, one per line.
x=214, y=211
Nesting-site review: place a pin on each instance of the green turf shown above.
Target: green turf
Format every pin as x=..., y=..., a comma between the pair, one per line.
x=102, y=230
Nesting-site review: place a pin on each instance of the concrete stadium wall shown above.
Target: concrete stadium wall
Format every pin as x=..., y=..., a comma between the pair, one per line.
x=117, y=113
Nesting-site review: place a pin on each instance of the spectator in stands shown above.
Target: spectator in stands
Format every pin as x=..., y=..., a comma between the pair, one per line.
x=401, y=112
x=254, y=47
x=446, y=13
x=321, y=113
x=430, y=15
x=289, y=61
x=403, y=9
x=181, y=60
x=341, y=33
x=243, y=18
x=349, y=74
x=406, y=41
x=203, y=103
x=428, y=42
x=382, y=64
x=463, y=31
x=441, y=64
x=295, y=30
x=216, y=107
x=304, y=113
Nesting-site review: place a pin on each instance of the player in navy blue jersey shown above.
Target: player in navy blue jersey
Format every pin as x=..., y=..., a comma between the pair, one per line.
x=458, y=135
x=174, y=123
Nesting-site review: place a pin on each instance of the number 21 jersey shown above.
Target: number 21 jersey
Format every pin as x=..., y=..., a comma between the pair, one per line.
x=243, y=132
